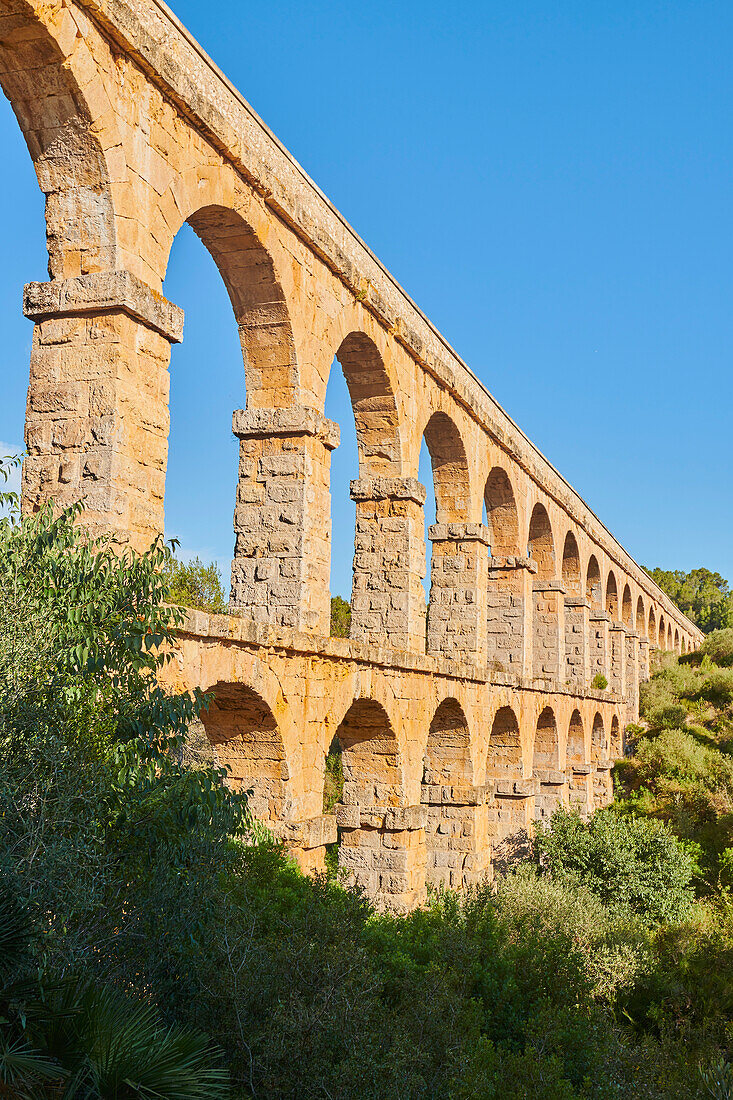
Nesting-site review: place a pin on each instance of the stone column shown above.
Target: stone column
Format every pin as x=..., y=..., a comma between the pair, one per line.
x=282, y=525
x=549, y=630
x=383, y=850
x=577, y=632
x=458, y=591
x=598, y=645
x=458, y=851
x=602, y=785
x=643, y=659
x=388, y=599
x=97, y=416
x=580, y=793
x=510, y=818
x=617, y=662
x=552, y=792
x=510, y=605
x=307, y=840
x=632, y=676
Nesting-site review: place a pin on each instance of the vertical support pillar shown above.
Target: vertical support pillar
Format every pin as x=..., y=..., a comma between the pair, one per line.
x=549, y=630
x=580, y=794
x=552, y=792
x=617, y=662
x=602, y=785
x=643, y=660
x=632, y=676
x=280, y=570
x=577, y=632
x=599, y=644
x=458, y=852
x=458, y=591
x=510, y=818
x=97, y=416
x=510, y=607
x=383, y=851
x=388, y=600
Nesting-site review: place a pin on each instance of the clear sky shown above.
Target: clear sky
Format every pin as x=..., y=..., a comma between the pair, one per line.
x=551, y=182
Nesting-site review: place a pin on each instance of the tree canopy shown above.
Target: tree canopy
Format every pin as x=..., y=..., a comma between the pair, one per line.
x=705, y=597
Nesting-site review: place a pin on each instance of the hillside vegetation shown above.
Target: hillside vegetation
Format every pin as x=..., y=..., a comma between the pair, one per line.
x=155, y=943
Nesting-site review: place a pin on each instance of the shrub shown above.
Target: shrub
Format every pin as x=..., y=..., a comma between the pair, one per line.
x=599, y=682
x=633, y=865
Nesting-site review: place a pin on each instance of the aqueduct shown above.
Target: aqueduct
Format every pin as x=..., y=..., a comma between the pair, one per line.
x=459, y=722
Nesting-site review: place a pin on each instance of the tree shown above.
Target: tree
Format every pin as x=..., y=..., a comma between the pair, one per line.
x=704, y=596
x=194, y=584
x=340, y=617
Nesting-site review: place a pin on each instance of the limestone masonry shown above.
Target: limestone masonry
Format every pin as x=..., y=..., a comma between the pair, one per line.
x=460, y=723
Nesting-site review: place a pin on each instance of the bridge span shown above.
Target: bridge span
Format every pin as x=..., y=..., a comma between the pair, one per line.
x=460, y=719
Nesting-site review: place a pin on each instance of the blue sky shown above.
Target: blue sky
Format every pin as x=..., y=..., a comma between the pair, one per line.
x=551, y=182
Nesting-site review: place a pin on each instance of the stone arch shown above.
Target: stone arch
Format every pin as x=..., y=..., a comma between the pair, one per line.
x=652, y=630
x=60, y=132
x=450, y=469
x=446, y=796
x=616, y=748
x=571, y=577
x=683, y=644
x=677, y=641
x=249, y=745
x=374, y=406
x=612, y=595
x=662, y=632
x=546, y=765
x=546, y=743
x=669, y=637
x=370, y=756
x=580, y=787
x=258, y=302
x=576, y=741
x=501, y=513
x=593, y=586
x=540, y=543
x=627, y=608
x=505, y=747
x=641, y=623
x=598, y=739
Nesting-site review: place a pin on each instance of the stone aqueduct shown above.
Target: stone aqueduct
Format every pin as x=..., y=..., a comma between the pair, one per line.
x=456, y=730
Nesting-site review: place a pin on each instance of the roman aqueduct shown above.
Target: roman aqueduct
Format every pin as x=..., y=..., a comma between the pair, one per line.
x=459, y=724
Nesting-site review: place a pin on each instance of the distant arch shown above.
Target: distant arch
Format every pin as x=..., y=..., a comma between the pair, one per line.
x=683, y=644
x=669, y=637
x=370, y=756
x=677, y=641
x=546, y=744
x=447, y=755
x=374, y=406
x=593, y=589
x=616, y=746
x=501, y=513
x=571, y=577
x=576, y=741
x=662, y=633
x=450, y=469
x=627, y=608
x=652, y=631
x=248, y=744
x=505, y=748
x=541, y=545
x=641, y=624
x=598, y=740
x=612, y=595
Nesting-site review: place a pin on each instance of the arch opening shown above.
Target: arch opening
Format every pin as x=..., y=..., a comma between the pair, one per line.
x=546, y=765
x=612, y=596
x=579, y=791
x=247, y=742
x=446, y=794
x=641, y=623
x=571, y=577
x=627, y=608
x=540, y=543
x=593, y=586
x=501, y=514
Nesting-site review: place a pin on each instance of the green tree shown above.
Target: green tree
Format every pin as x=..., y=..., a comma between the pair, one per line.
x=340, y=617
x=704, y=596
x=194, y=584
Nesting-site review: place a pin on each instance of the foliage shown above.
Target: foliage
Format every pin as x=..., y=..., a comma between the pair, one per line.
x=333, y=786
x=704, y=596
x=718, y=646
x=633, y=865
x=193, y=584
x=599, y=682
x=340, y=617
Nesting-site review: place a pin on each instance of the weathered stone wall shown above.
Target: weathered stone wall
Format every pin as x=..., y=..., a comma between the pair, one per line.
x=134, y=132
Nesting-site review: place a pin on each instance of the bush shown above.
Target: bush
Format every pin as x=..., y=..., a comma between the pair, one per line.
x=718, y=646
x=340, y=617
x=599, y=682
x=633, y=865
